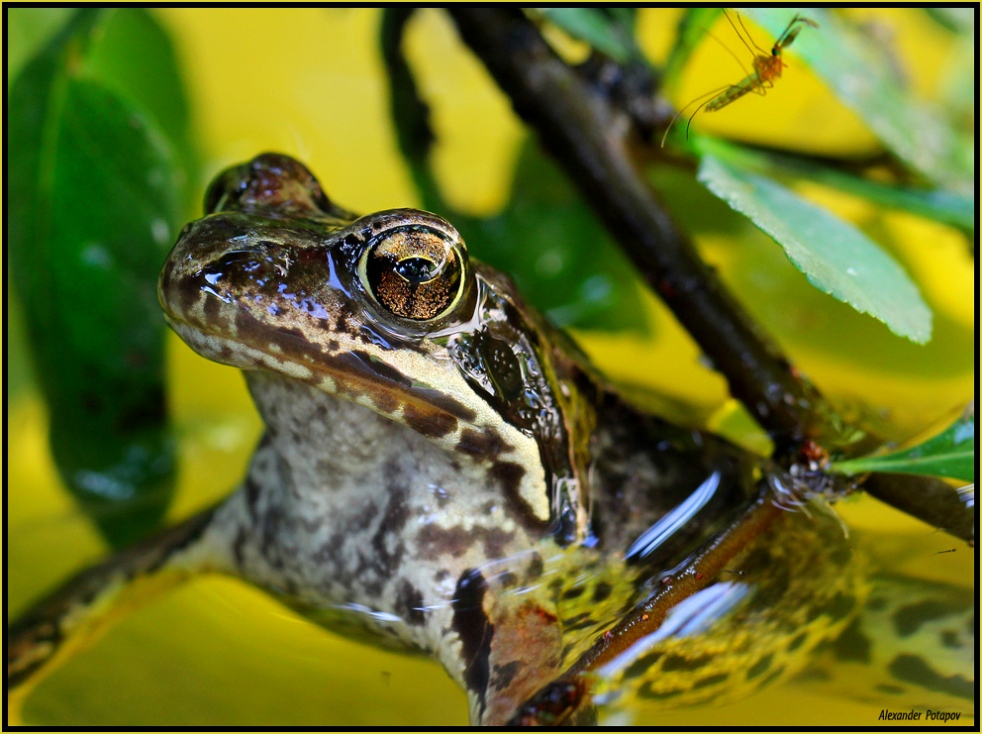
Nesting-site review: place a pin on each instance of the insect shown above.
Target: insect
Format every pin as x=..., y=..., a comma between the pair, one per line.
x=767, y=68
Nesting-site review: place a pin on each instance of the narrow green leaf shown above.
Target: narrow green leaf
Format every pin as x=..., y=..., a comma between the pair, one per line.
x=597, y=28
x=941, y=205
x=859, y=73
x=95, y=202
x=949, y=454
x=959, y=90
x=835, y=256
x=957, y=20
x=695, y=24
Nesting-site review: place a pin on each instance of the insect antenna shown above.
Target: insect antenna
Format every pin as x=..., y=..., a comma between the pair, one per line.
x=737, y=31
x=678, y=114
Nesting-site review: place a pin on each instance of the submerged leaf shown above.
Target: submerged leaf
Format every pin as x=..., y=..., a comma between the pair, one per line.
x=835, y=256
x=949, y=454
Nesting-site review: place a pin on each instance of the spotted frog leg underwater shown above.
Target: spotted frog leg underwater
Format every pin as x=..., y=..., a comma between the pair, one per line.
x=442, y=471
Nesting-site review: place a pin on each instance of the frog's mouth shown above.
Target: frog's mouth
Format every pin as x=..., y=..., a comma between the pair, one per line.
x=361, y=374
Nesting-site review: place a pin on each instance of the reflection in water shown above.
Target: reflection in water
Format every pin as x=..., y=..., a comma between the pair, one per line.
x=662, y=530
x=689, y=617
x=373, y=613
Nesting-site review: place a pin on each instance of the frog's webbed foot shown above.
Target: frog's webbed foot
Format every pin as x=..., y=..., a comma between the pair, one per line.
x=78, y=612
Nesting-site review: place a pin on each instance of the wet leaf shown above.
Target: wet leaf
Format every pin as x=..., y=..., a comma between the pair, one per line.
x=941, y=205
x=859, y=73
x=835, y=256
x=96, y=190
x=949, y=454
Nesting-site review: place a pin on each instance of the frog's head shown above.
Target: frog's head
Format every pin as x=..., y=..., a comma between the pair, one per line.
x=387, y=311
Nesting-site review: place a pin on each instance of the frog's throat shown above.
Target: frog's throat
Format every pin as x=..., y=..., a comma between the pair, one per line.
x=475, y=434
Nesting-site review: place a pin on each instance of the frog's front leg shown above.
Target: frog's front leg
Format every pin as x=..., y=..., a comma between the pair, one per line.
x=75, y=615
x=347, y=558
x=506, y=645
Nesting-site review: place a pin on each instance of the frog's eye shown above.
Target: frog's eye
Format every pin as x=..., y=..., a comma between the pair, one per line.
x=414, y=272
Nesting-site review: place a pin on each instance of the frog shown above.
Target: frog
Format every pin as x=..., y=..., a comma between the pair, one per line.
x=444, y=472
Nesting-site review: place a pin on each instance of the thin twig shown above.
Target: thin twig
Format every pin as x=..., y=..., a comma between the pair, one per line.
x=931, y=500
x=590, y=138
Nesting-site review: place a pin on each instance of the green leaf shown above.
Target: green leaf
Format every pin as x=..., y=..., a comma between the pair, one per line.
x=859, y=73
x=949, y=454
x=835, y=256
x=136, y=60
x=27, y=31
x=941, y=205
x=596, y=27
x=95, y=192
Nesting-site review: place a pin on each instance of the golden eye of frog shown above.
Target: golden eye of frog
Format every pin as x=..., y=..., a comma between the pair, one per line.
x=443, y=471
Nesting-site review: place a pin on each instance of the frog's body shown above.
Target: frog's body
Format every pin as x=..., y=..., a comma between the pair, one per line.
x=442, y=471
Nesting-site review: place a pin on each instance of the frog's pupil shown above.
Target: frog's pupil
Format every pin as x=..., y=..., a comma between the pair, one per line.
x=413, y=272
x=416, y=269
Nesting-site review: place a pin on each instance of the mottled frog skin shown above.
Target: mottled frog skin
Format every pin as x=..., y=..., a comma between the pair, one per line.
x=444, y=472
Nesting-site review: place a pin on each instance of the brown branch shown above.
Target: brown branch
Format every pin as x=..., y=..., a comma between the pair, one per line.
x=931, y=500
x=590, y=137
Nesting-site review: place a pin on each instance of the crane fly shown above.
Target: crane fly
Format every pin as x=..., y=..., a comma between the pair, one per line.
x=767, y=68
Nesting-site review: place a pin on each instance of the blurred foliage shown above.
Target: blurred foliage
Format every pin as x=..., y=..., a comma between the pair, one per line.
x=99, y=157
x=608, y=30
x=562, y=258
x=692, y=29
